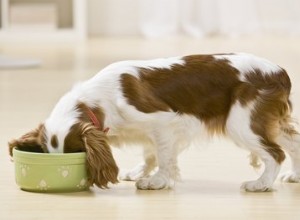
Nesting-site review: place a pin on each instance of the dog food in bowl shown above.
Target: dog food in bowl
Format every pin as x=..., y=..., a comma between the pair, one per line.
x=40, y=172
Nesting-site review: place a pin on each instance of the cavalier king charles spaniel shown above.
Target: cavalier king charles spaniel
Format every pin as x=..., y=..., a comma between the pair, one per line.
x=166, y=104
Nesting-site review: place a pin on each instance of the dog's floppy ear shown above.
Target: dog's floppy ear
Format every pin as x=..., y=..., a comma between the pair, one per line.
x=101, y=165
x=32, y=141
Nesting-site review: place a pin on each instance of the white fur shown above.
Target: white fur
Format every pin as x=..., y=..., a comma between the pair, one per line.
x=241, y=132
x=291, y=145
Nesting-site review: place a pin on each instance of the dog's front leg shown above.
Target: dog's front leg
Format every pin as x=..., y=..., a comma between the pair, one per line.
x=143, y=169
x=167, y=163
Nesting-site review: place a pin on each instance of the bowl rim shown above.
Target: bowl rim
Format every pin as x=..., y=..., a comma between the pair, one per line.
x=26, y=154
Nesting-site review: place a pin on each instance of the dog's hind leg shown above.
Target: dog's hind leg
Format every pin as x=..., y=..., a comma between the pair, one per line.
x=249, y=135
x=289, y=138
x=271, y=164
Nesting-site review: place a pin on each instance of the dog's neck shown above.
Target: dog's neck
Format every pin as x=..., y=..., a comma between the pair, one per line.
x=95, y=120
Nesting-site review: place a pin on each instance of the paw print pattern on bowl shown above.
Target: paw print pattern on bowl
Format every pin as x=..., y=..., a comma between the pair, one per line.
x=82, y=184
x=64, y=171
x=24, y=169
x=43, y=185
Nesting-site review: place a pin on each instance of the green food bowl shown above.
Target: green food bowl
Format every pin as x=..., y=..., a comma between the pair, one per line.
x=40, y=172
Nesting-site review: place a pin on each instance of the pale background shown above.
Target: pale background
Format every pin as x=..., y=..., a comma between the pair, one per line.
x=196, y=18
x=45, y=48
x=155, y=18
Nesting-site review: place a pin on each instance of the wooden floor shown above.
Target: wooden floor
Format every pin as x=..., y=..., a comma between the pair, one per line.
x=211, y=173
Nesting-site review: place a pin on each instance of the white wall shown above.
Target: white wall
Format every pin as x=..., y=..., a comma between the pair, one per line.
x=159, y=18
x=113, y=17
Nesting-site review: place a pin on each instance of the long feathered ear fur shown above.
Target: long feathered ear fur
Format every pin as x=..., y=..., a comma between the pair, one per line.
x=101, y=165
x=32, y=141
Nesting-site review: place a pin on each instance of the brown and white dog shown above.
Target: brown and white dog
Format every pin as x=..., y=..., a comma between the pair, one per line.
x=164, y=105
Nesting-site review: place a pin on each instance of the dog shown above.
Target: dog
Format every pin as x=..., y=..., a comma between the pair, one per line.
x=166, y=104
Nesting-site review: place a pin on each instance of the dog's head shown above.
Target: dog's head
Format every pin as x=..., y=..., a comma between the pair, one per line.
x=33, y=141
x=81, y=136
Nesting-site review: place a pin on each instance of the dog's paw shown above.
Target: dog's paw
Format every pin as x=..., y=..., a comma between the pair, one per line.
x=134, y=174
x=256, y=186
x=156, y=181
x=128, y=175
x=290, y=177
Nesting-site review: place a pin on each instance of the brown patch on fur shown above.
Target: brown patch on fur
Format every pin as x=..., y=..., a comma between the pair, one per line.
x=275, y=150
x=102, y=168
x=245, y=93
x=73, y=141
x=33, y=141
x=54, y=141
x=141, y=95
x=204, y=87
x=271, y=109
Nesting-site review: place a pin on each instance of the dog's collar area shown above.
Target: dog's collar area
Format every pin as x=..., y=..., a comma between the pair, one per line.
x=95, y=120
